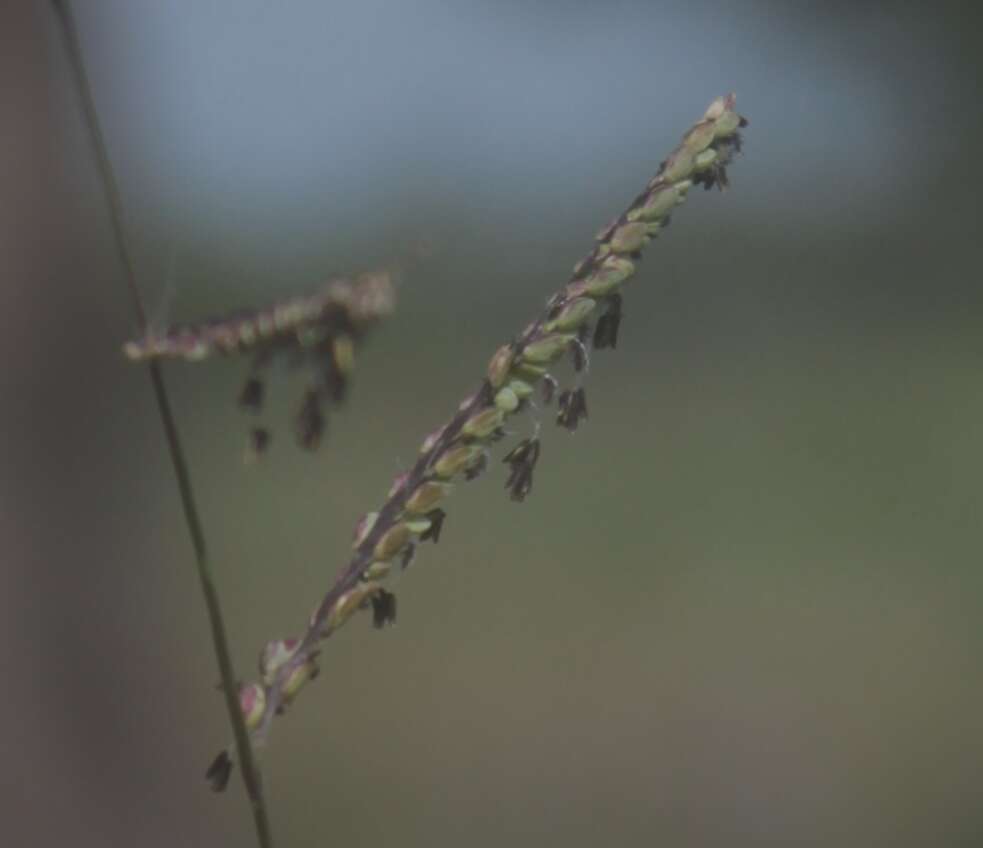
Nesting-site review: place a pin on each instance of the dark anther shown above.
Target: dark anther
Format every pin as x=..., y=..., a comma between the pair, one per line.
x=520, y=483
x=606, y=331
x=336, y=384
x=579, y=353
x=436, y=518
x=715, y=175
x=573, y=407
x=526, y=451
x=477, y=468
x=258, y=443
x=406, y=557
x=578, y=349
x=335, y=381
x=251, y=396
x=383, y=608
x=521, y=460
x=310, y=421
x=707, y=178
x=548, y=388
x=219, y=772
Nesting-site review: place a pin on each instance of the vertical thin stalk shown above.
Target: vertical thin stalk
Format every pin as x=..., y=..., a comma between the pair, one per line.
x=250, y=773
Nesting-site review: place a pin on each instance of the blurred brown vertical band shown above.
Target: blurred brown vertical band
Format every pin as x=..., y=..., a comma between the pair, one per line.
x=250, y=773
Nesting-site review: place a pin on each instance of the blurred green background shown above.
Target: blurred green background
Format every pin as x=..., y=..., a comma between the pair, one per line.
x=742, y=605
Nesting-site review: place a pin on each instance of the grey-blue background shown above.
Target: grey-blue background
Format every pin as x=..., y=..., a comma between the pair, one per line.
x=742, y=605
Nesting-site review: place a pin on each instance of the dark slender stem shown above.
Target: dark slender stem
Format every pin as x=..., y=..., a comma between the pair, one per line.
x=250, y=773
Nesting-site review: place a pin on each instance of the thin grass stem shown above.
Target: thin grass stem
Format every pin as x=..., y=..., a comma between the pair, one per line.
x=250, y=772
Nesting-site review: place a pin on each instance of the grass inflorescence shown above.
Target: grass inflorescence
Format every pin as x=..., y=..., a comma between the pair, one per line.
x=317, y=331
x=583, y=316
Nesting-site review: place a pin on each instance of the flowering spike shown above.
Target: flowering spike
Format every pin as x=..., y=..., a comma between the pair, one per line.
x=412, y=508
x=360, y=304
x=319, y=331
